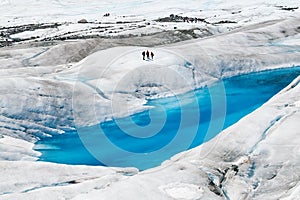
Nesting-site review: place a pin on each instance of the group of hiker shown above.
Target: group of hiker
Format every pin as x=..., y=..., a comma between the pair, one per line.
x=148, y=54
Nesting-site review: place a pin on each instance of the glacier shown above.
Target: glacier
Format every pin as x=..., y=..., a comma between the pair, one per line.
x=51, y=86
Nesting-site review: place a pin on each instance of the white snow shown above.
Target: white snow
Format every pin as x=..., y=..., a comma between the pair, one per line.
x=46, y=91
x=183, y=191
x=137, y=15
x=37, y=11
x=16, y=149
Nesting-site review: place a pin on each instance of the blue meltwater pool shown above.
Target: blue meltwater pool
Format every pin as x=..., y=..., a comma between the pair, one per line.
x=144, y=140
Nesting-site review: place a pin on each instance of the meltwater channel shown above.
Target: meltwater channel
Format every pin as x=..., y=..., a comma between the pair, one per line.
x=112, y=144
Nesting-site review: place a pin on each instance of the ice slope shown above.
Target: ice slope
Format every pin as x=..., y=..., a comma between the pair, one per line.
x=13, y=149
x=257, y=158
x=41, y=100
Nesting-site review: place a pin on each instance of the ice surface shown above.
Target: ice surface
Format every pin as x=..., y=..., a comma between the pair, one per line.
x=227, y=158
x=257, y=158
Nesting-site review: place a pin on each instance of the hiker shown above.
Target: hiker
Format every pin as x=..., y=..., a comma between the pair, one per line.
x=152, y=55
x=148, y=54
x=143, y=55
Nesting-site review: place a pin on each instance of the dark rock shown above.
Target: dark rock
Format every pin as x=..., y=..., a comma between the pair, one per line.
x=83, y=21
x=289, y=9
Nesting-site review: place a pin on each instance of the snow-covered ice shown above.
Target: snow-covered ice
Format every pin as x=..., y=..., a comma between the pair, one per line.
x=48, y=88
x=248, y=160
x=118, y=73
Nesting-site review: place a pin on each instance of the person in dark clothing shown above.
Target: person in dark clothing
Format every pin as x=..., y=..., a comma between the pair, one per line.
x=143, y=55
x=148, y=54
x=152, y=55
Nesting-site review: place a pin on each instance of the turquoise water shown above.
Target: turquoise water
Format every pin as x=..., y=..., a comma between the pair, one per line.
x=175, y=124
